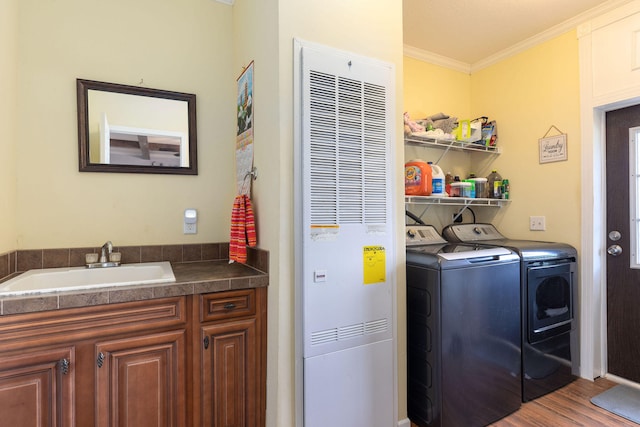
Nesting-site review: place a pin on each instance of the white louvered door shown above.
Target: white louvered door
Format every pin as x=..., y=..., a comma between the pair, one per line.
x=347, y=272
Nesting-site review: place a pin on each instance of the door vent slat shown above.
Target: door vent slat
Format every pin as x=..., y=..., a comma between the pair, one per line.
x=351, y=331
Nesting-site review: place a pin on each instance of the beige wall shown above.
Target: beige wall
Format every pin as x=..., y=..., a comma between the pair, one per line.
x=371, y=29
x=185, y=48
x=8, y=100
x=255, y=38
x=201, y=49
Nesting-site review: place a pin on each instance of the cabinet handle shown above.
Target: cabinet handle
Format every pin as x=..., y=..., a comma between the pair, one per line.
x=229, y=306
x=64, y=366
x=206, y=343
x=100, y=360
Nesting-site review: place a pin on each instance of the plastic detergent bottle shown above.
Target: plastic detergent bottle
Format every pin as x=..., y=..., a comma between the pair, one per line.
x=417, y=178
x=494, y=184
x=437, y=179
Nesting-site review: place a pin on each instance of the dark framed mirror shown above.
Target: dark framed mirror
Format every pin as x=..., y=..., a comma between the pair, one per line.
x=135, y=129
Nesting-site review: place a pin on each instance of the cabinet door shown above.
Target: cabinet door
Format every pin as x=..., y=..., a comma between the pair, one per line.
x=37, y=388
x=140, y=381
x=229, y=380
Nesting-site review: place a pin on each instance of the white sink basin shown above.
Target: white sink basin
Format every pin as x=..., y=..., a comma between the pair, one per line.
x=73, y=278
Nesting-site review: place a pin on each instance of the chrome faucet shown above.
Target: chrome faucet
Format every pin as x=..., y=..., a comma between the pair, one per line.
x=105, y=251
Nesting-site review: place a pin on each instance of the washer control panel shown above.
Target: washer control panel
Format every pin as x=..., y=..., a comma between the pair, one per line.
x=471, y=232
x=422, y=235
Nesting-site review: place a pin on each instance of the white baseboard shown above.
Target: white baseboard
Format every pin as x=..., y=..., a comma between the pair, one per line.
x=621, y=380
x=404, y=423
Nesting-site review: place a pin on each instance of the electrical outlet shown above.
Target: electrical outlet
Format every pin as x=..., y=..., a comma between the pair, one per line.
x=537, y=223
x=190, y=228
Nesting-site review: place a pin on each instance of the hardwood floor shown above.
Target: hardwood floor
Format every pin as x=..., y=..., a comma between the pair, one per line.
x=569, y=406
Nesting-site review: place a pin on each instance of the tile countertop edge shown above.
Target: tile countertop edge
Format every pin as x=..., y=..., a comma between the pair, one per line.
x=192, y=278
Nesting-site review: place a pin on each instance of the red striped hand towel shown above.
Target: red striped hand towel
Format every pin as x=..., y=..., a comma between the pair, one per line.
x=243, y=231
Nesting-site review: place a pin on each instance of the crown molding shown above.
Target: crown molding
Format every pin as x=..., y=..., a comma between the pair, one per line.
x=517, y=48
x=435, y=59
x=229, y=2
x=551, y=33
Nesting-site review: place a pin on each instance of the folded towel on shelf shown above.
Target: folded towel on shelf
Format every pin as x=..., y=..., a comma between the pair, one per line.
x=243, y=229
x=438, y=116
x=413, y=126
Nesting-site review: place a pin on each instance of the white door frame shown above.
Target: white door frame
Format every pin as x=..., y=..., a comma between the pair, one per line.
x=593, y=274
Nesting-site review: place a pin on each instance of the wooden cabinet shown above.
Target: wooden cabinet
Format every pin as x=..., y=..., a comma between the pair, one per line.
x=36, y=388
x=50, y=372
x=231, y=352
x=228, y=374
x=197, y=360
x=140, y=381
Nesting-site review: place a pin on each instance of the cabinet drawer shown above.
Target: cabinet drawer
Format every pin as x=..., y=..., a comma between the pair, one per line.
x=227, y=305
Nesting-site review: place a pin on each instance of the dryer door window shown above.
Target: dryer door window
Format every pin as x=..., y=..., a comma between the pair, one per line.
x=550, y=302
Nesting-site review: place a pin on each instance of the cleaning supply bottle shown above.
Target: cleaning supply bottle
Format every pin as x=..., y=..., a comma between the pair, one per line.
x=437, y=180
x=448, y=179
x=417, y=178
x=494, y=182
x=506, y=188
x=472, y=187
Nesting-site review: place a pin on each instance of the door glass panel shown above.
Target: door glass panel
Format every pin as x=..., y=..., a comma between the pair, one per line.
x=634, y=196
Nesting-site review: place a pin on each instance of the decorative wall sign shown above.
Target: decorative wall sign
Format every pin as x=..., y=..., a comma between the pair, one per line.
x=553, y=148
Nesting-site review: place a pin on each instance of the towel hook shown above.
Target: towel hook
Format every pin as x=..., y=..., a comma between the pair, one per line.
x=253, y=173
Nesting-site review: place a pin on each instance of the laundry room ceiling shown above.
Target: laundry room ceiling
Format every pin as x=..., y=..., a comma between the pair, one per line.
x=473, y=30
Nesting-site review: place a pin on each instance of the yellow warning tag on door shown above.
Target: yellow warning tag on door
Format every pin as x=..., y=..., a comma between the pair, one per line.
x=374, y=264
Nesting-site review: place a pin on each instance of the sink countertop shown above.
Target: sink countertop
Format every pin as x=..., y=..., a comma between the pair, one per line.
x=192, y=278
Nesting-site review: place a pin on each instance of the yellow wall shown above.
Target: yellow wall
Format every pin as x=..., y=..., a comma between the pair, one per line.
x=8, y=101
x=430, y=89
x=527, y=94
x=169, y=46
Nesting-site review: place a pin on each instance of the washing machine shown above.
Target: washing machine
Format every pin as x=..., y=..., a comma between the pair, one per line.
x=550, y=341
x=463, y=331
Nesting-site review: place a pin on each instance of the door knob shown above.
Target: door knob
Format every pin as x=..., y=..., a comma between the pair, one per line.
x=614, y=250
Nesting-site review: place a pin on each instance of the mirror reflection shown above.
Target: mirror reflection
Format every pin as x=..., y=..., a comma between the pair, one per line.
x=135, y=129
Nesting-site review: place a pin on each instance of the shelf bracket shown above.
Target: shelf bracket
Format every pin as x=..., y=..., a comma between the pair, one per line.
x=444, y=153
x=462, y=209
